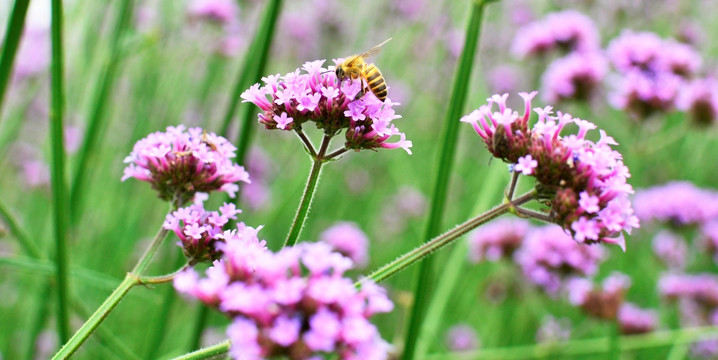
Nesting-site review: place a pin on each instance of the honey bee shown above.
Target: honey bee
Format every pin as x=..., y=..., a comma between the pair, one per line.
x=356, y=67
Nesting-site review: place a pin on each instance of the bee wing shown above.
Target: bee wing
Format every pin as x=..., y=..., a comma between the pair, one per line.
x=373, y=51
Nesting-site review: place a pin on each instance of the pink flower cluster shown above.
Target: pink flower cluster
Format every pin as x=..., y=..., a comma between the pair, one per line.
x=548, y=257
x=569, y=30
x=700, y=288
x=180, y=163
x=670, y=248
x=461, y=337
x=634, y=320
x=678, y=203
x=199, y=230
x=699, y=98
x=223, y=11
x=317, y=96
x=585, y=180
x=653, y=72
x=349, y=240
x=601, y=302
x=575, y=76
x=496, y=240
x=279, y=311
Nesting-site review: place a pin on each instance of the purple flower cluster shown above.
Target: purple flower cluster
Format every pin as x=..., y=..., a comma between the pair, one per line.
x=699, y=98
x=549, y=257
x=700, y=288
x=496, y=240
x=180, y=163
x=461, y=337
x=652, y=72
x=569, y=30
x=585, y=180
x=319, y=97
x=670, y=248
x=604, y=302
x=349, y=240
x=199, y=230
x=678, y=203
x=222, y=11
x=295, y=303
x=574, y=77
x=634, y=320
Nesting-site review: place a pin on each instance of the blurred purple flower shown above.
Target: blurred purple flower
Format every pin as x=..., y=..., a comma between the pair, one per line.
x=677, y=202
x=496, y=240
x=317, y=96
x=569, y=167
x=279, y=311
x=699, y=98
x=576, y=76
x=634, y=320
x=568, y=30
x=548, y=257
x=349, y=240
x=603, y=302
x=33, y=53
x=261, y=168
x=73, y=137
x=701, y=288
x=671, y=249
x=709, y=233
x=461, y=337
x=503, y=78
x=35, y=173
x=179, y=163
x=223, y=11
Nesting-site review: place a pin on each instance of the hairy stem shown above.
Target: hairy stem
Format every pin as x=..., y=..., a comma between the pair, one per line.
x=207, y=353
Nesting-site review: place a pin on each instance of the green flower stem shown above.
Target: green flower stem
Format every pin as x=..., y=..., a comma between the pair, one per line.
x=307, y=143
x=59, y=189
x=93, y=137
x=575, y=348
x=131, y=279
x=336, y=153
x=207, y=353
x=614, y=329
x=512, y=185
x=308, y=194
x=453, y=269
x=20, y=234
x=438, y=242
x=449, y=141
x=12, y=40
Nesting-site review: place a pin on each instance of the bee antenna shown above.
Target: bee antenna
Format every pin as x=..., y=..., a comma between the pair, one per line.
x=328, y=71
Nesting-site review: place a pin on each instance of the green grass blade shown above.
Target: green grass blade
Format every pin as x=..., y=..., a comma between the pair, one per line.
x=97, y=116
x=27, y=244
x=59, y=188
x=448, y=140
x=12, y=41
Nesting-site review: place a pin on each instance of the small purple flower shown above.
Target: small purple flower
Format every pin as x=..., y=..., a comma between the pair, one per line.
x=568, y=167
x=461, y=337
x=199, y=230
x=678, y=202
x=548, y=257
x=526, y=165
x=576, y=76
x=569, y=30
x=496, y=240
x=349, y=240
x=670, y=248
x=634, y=320
x=295, y=303
x=180, y=163
x=313, y=94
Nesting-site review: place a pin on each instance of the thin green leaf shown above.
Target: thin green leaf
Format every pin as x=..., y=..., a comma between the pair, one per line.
x=12, y=40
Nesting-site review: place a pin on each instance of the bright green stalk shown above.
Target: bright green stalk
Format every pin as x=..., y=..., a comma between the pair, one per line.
x=572, y=349
x=21, y=235
x=97, y=116
x=254, y=62
x=12, y=40
x=444, y=164
x=446, y=238
x=308, y=194
x=207, y=353
x=133, y=278
x=452, y=271
x=59, y=189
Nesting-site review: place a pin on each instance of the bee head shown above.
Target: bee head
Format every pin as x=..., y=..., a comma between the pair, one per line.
x=340, y=73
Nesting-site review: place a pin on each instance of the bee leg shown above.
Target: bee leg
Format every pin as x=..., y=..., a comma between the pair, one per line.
x=362, y=91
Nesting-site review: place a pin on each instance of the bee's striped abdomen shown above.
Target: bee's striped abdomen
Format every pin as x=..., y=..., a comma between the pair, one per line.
x=375, y=81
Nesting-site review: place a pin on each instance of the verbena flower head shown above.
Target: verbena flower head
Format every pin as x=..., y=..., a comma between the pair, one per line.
x=496, y=240
x=670, y=248
x=199, y=230
x=699, y=99
x=634, y=320
x=548, y=258
x=295, y=303
x=574, y=77
x=222, y=11
x=568, y=30
x=349, y=240
x=601, y=302
x=585, y=180
x=678, y=203
x=461, y=337
x=313, y=94
x=700, y=288
x=709, y=234
x=182, y=162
